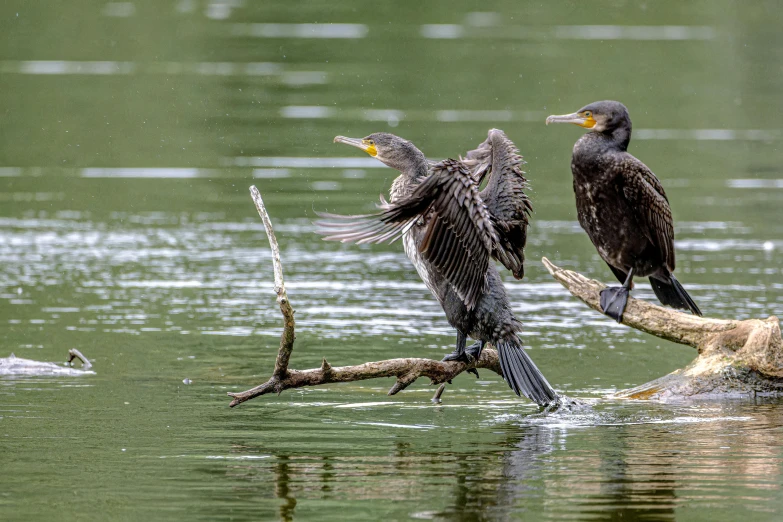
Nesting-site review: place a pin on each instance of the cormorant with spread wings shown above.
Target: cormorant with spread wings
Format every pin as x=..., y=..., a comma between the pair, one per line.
x=450, y=231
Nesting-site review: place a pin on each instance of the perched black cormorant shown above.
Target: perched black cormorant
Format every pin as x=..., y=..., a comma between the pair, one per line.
x=450, y=231
x=623, y=208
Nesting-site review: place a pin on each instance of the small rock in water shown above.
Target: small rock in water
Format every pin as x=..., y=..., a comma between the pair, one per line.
x=186, y=381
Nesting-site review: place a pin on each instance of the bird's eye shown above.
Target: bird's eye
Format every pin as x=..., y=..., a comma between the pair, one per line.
x=588, y=114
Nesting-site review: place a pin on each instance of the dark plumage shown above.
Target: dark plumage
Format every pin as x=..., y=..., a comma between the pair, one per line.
x=505, y=198
x=623, y=208
x=450, y=231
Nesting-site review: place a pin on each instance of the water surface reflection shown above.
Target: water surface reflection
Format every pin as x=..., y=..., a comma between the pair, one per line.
x=130, y=133
x=608, y=463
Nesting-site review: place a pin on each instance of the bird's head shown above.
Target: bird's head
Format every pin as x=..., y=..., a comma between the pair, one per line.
x=392, y=150
x=602, y=116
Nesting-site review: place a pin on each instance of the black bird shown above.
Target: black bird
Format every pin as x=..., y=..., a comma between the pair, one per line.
x=450, y=231
x=623, y=208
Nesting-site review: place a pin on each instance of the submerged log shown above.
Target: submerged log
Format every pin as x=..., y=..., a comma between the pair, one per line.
x=736, y=358
x=17, y=366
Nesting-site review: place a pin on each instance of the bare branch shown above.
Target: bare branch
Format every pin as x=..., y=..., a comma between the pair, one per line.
x=665, y=323
x=405, y=370
x=288, y=337
x=735, y=356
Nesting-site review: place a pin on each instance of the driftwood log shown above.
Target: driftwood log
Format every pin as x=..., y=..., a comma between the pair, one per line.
x=735, y=358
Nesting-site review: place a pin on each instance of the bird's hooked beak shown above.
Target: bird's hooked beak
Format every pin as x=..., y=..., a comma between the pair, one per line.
x=366, y=145
x=577, y=118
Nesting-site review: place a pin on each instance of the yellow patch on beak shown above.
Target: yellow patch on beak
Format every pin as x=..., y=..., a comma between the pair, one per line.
x=370, y=148
x=588, y=123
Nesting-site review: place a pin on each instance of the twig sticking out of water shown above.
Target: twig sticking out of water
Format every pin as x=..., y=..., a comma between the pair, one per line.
x=73, y=353
x=405, y=370
x=439, y=394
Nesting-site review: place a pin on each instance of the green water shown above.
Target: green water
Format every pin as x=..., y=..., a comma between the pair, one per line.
x=129, y=134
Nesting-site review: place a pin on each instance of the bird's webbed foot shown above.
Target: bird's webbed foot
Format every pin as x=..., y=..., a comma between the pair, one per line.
x=468, y=356
x=475, y=349
x=461, y=356
x=613, y=301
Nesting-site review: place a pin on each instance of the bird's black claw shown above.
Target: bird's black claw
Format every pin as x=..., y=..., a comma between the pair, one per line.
x=613, y=302
x=473, y=371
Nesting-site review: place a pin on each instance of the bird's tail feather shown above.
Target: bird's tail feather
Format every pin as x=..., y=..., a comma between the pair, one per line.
x=672, y=294
x=521, y=373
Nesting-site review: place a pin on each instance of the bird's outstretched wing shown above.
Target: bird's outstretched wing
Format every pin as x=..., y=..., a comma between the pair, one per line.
x=459, y=233
x=644, y=192
x=504, y=196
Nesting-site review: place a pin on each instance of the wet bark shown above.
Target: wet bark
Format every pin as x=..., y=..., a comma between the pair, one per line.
x=406, y=371
x=735, y=357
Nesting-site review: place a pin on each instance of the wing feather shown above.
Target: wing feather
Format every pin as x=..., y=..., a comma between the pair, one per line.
x=504, y=197
x=644, y=192
x=459, y=234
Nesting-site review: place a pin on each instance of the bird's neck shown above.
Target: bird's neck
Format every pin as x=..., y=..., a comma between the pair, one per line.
x=621, y=137
x=409, y=178
x=598, y=142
